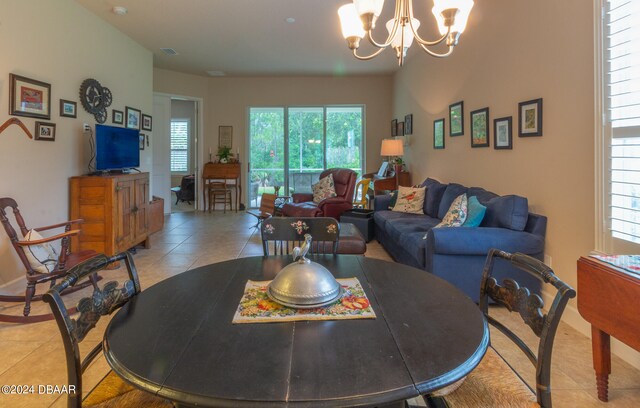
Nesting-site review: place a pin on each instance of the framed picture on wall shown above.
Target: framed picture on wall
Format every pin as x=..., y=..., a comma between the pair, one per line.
x=394, y=127
x=438, y=134
x=400, y=129
x=117, y=117
x=147, y=122
x=142, y=141
x=45, y=131
x=133, y=117
x=480, y=128
x=456, y=119
x=408, y=124
x=502, y=133
x=530, y=118
x=68, y=108
x=225, y=136
x=28, y=97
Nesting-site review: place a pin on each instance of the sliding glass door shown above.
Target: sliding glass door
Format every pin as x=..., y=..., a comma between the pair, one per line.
x=266, y=152
x=317, y=138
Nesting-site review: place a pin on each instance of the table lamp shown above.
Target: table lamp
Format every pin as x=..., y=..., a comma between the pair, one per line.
x=392, y=147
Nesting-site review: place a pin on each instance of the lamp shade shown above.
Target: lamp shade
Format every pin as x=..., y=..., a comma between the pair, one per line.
x=391, y=147
x=408, y=33
x=350, y=22
x=464, y=8
x=369, y=6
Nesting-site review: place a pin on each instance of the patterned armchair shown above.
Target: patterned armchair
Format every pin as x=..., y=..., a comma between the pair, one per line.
x=303, y=206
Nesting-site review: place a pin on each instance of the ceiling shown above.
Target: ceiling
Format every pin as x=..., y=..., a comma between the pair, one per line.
x=249, y=37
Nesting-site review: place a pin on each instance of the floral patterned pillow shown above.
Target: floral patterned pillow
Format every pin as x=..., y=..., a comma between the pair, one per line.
x=457, y=214
x=323, y=189
x=410, y=200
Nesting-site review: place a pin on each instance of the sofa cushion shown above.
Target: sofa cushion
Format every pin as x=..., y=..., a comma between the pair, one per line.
x=410, y=200
x=475, y=212
x=400, y=227
x=323, y=189
x=452, y=192
x=510, y=211
x=432, y=197
x=482, y=194
x=457, y=214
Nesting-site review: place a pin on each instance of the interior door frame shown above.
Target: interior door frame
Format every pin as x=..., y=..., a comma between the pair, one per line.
x=198, y=132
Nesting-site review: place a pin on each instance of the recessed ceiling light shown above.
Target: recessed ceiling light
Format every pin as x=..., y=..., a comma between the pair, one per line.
x=216, y=73
x=119, y=10
x=290, y=20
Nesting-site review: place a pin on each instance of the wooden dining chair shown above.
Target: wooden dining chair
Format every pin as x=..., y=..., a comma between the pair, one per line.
x=111, y=391
x=494, y=383
x=41, y=260
x=281, y=234
x=267, y=208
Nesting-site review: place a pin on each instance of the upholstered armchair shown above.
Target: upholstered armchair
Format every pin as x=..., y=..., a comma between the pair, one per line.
x=303, y=206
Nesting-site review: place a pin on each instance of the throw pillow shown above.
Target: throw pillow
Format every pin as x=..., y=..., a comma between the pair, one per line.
x=410, y=200
x=457, y=214
x=475, y=212
x=323, y=189
x=43, y=257
x=394, y=199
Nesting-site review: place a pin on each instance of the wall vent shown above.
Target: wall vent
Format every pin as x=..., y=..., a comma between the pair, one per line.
x=169, y=51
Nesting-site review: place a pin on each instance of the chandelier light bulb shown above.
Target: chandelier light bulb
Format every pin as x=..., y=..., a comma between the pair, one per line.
x=460, y=23
x=350, y=22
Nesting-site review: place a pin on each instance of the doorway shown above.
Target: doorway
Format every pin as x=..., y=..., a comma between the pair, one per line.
x=176, y=152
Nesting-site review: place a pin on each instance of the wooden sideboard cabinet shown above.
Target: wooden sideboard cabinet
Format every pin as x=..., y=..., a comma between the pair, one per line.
x=115, y=209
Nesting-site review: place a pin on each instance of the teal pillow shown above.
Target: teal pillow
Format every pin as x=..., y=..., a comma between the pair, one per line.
x=475, y=212
x=394, y=199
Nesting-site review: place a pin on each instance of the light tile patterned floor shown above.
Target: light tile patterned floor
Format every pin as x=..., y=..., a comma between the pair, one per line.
x=33, y=354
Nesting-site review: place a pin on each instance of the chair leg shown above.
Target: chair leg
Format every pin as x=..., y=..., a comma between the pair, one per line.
x=31, y=290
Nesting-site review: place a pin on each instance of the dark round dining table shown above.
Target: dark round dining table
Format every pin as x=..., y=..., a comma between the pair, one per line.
x=176, y=339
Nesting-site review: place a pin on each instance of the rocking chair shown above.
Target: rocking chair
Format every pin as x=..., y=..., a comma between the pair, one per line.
x=41, y=262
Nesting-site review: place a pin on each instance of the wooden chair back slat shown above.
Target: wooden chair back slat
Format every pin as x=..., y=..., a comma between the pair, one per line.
x=281, y=234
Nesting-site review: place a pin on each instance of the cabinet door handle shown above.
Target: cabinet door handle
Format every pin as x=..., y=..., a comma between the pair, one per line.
x=134, y=209
x=118, y=188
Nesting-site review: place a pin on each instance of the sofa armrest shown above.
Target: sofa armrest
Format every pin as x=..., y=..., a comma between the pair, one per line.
x=381, y=202
x=478, y=241
x=333, y=200
x=301, y=197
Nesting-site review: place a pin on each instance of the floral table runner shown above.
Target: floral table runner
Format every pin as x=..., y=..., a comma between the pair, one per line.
x=256, y=307
x=629, y=263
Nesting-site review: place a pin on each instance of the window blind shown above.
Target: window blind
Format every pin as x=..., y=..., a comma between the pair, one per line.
x=622, y=76
x=180, y=145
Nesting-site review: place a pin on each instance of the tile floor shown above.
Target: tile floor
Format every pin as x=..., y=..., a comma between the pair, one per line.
x=33, y=354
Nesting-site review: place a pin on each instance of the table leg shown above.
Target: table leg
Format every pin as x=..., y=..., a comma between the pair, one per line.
x=601, y=344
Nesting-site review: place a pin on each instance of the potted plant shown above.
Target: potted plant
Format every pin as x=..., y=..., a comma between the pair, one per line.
x=224, y=154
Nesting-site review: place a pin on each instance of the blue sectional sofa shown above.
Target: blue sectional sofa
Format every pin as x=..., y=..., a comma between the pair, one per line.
x=457, y=254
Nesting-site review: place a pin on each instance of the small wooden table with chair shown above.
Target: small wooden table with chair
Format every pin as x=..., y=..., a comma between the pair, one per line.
x=218, y=179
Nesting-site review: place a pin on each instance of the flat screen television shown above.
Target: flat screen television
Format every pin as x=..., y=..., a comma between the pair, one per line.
x=117, y=148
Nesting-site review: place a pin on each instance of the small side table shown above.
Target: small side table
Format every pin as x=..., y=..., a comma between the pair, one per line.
x=607, y=297
x=362, y=219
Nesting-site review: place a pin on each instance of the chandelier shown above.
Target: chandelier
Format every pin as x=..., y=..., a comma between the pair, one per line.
x=359, y=19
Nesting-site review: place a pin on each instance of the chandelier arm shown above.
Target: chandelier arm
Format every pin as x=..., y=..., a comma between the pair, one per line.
x=415, y=31
x=367, y=57
x=396, y=23
x=435, y=54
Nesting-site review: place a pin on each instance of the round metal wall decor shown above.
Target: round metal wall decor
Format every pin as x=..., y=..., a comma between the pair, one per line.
x=95, y=99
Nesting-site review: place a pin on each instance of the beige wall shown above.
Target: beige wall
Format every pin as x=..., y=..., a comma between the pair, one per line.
x=60, y=43
x=514, y=51
x=226, y=102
